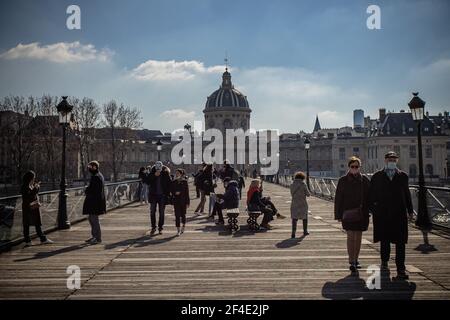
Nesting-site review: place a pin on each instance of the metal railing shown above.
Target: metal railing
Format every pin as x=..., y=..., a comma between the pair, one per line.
x=117, y=194
x=438, y=198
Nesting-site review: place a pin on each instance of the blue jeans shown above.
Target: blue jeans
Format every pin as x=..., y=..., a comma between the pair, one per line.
x=212, y=201
x=144, y=192
x=160, y=201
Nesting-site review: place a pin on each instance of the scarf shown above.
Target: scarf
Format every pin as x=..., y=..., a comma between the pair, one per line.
x=390, y=173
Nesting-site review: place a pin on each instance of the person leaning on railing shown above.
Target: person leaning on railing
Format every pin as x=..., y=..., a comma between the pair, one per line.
x=31, y=214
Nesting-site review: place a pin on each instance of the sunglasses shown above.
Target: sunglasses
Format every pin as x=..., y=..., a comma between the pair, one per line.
x=354, y=167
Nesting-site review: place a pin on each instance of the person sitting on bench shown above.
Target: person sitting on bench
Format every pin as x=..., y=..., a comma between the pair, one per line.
x=228, y=200
x=254, y=203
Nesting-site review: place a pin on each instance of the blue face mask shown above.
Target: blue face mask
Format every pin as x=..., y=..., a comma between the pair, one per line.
x=391, y=165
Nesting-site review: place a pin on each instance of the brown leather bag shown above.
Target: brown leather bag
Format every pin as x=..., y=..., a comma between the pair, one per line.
x=35, y=205
x=354, y=215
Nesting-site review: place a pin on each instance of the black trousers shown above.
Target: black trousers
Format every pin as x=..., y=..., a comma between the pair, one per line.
x=294, y=225
x=180, y=214
x=268, y=215
x=26, y=233
x=160, y=201
x=385, y=250
x=269, y=203
x=218, y=207
x=197, y=191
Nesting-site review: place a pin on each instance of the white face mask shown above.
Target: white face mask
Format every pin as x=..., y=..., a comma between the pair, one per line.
x=391, y=165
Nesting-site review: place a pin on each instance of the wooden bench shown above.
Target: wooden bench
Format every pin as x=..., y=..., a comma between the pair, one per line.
x=252, y=220
x=232, y=215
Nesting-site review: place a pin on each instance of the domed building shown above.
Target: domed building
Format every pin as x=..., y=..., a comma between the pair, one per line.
x=227, y=108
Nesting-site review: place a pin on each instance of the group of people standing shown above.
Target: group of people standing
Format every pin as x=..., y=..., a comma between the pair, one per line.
x=94, y=205
x=385, y=196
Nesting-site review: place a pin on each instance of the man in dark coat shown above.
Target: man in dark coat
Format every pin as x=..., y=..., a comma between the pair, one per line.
x=159, y=191
x=390, y=203
x=95, y=201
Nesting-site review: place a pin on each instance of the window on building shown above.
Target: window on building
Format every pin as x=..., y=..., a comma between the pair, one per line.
x=412, y=170
x=397, y=150
x=429, y=169
x=412, y=152
x=356, y=151
x=341, y=153
x=428, y=152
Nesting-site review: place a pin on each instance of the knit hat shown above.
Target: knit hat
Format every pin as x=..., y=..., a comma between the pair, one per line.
x=95, y=163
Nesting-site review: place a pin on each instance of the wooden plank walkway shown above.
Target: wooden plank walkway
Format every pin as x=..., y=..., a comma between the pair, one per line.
x=208, y=263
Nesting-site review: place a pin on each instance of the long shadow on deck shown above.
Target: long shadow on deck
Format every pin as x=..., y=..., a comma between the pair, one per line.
x=354, y=287
x=48, y=254
x=288, y=243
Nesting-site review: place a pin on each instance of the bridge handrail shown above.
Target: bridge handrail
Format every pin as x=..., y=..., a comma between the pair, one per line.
x=439, y=209
x=117, y=195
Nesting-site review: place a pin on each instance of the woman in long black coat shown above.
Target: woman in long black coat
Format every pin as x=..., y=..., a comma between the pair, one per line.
x=181, y=200
x=352, y=192
x=31, y=214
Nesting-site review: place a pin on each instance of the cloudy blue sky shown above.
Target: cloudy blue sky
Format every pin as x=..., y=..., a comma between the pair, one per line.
x=293, y=59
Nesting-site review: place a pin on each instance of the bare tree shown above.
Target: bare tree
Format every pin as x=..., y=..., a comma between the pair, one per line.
x=15, y=128
x=50, y=136
x=87, y=119
x=121, y=121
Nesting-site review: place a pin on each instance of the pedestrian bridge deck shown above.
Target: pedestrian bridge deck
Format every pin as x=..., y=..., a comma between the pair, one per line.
x=208, y=263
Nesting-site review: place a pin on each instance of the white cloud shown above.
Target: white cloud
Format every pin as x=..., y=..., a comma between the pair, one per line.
x=61, y=52
x=178, y=114
x=172, y=70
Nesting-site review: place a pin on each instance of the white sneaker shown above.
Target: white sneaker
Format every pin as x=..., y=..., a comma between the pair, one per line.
x=28, y=244
x=48, y=241
x=182, y=229
x=178, y=232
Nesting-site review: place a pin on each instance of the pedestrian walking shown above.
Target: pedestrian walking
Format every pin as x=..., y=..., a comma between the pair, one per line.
x=391, y=205
x=351, y=207
x=207, y=186
x=299, y=205
x=143, y=187
x=159, y=183
x=241, y=185
x=95, y=201
x=31, y=214
x=181, y=201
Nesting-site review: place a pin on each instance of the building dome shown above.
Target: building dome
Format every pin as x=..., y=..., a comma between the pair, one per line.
x=226, y=95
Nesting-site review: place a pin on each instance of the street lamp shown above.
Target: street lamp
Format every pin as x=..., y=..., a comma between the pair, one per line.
x=417, y=107
x=159, y=148
x=187, y=127
x=65, y=116
x=307, y=146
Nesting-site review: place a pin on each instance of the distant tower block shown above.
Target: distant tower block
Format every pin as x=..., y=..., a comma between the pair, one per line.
x=358, y=118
